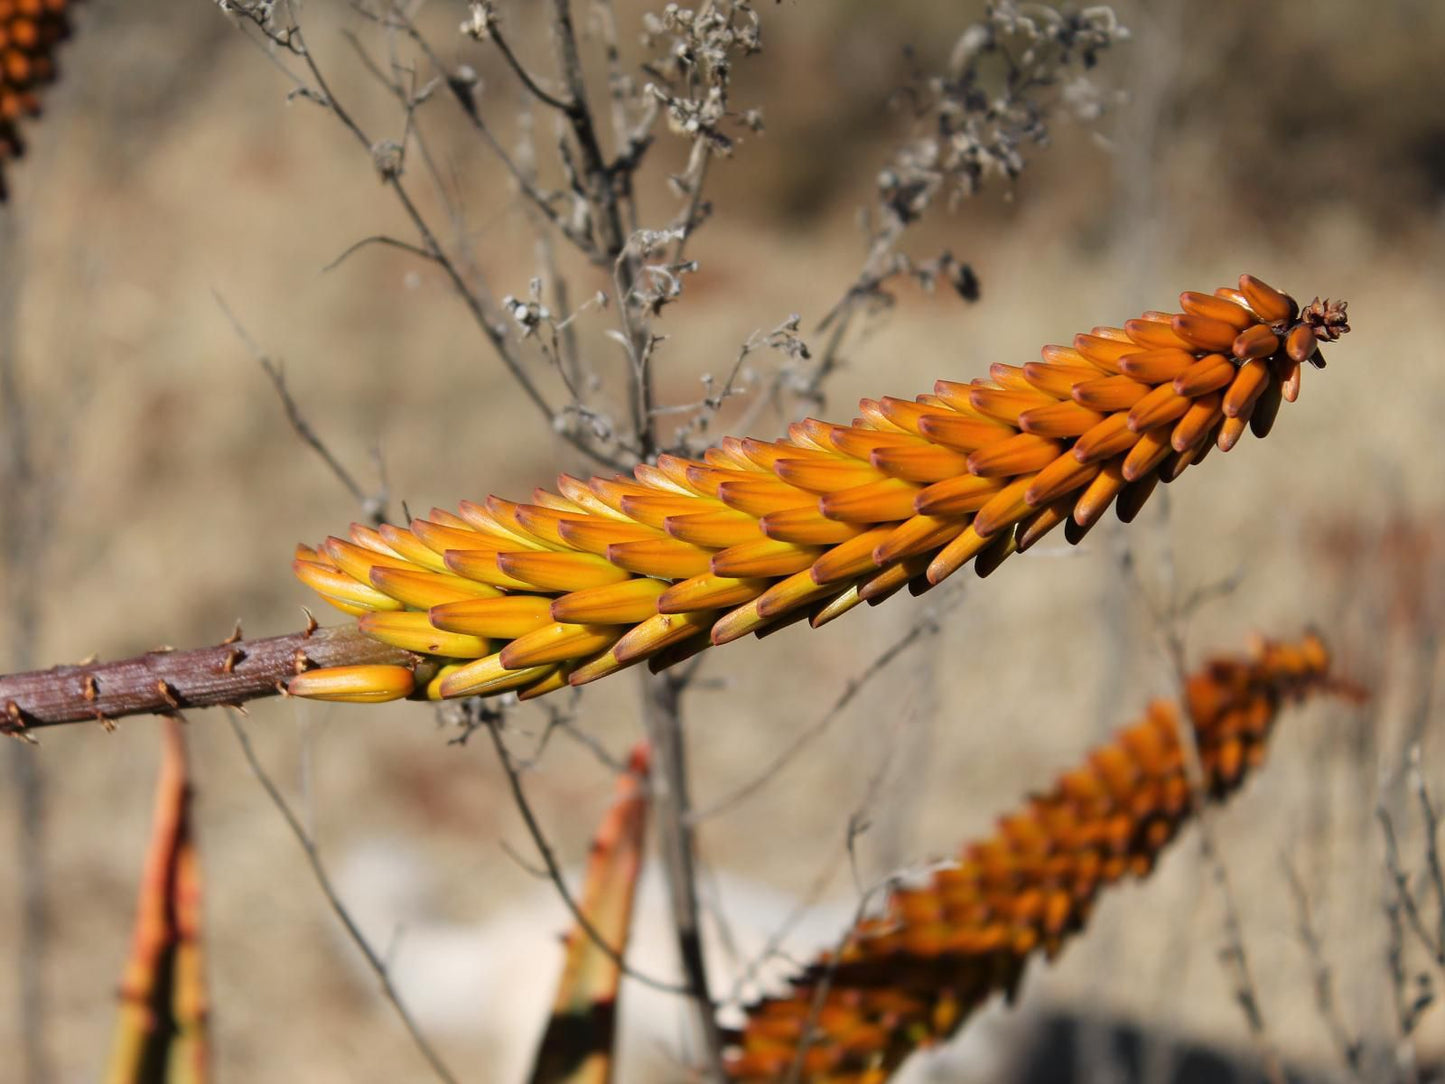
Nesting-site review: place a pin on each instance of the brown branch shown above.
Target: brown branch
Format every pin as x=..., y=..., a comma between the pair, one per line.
x=163, y=682
x=662, y=696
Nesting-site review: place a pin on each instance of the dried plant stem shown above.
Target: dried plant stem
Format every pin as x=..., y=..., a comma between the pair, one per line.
x=291, y=39
x=373, y=505
x=601, y=192
x=163, y=682
x=662, y=696
x=927, y=627
x=1349, y=1048
x=313, y=858
x=553, y=868
x=1233, y=954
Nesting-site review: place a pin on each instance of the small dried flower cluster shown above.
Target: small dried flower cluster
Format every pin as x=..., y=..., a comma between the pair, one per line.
x=693, y=70
x=975, y=120
x=30, y=31
x=757, y=535
x=913, y=976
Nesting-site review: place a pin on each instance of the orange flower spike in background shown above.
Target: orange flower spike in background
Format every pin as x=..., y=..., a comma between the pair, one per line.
x=579, y=1043
x=756, y=535
x=30, y=31
x=162, y=1031
x=911, y=977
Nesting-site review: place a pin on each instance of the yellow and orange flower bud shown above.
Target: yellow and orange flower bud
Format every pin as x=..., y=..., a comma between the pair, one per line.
x=354, y=684
x=755, y=535
x=912, y=976
x=30, y=32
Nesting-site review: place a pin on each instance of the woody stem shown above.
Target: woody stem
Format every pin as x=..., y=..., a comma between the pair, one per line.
x=164, y=682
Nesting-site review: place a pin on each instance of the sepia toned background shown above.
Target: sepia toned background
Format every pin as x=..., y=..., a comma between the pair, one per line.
x=1302, y=143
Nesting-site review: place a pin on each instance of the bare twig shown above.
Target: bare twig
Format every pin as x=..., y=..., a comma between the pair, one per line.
x=389, y=169
x=1349, y=1047
x=373, y=959
x=927, y=627
x=378, y=239
x=857, y=825
x=374, y=505
x=1170, y=620
x=491, y=720
x=967, y=134
x=1431, y=821
x=1407, y=896
x=534, y=88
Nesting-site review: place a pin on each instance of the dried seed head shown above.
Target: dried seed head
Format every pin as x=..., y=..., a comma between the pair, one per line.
x=913, y=975
x=1326, y=318
x=756, y=535
x=30, y=32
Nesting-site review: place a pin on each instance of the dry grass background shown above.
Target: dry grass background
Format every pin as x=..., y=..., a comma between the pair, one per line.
x=1305, y=148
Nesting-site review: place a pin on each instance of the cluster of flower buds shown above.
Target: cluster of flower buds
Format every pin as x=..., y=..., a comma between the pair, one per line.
x=911, y=977
x=685, y=553
x=30, y=31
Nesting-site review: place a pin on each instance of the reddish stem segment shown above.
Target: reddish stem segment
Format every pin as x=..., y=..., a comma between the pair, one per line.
x=164, y=682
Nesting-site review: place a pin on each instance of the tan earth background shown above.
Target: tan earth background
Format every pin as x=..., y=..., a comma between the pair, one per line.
x=1304, y=143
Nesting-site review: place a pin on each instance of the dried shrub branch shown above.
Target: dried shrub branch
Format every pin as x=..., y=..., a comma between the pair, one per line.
x=374, y=959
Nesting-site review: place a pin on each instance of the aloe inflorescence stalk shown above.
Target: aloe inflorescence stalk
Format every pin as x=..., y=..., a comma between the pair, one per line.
x=686, y=553
x=30, y=31
x=912, y=976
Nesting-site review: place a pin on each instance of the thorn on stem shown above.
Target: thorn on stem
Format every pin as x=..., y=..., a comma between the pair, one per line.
x=168, y=694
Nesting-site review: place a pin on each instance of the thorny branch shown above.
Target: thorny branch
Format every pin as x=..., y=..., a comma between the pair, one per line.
x=164, y=681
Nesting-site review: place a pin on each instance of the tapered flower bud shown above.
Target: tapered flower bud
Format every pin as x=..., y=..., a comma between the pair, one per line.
x=354, y=684
x=30, y=31
x=912, y=976
x=755, y=535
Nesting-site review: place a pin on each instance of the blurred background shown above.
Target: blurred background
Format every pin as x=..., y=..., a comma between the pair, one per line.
x=1302, y=143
